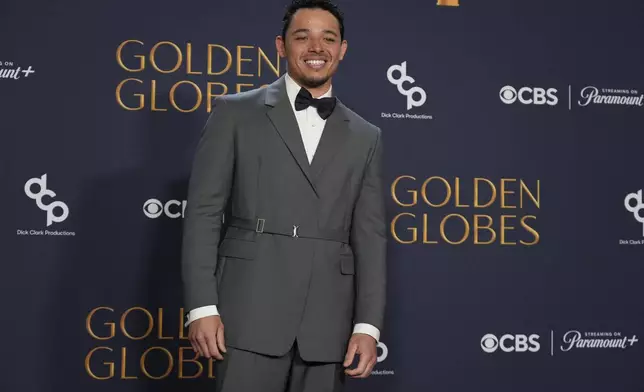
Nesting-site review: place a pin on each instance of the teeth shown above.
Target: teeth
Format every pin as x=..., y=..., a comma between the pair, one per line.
x=315, y=62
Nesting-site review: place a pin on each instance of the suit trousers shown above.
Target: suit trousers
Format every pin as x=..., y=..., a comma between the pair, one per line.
x=246, y=371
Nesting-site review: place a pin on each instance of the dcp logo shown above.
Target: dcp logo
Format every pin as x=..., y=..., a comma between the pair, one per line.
x=510, y=343
x=637, y=208
x=385, y=352
x=174, y=209
x=51, y=207
x=411, y=102
x=529, y=95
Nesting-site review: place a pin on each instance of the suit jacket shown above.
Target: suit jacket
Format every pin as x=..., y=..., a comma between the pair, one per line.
x=301, y=252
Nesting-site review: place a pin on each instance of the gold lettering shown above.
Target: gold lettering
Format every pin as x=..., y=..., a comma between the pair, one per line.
x=240, y=60
x=412, y=229
x=119, y=56
x=229, y=61
x=88, y=369
x=189, y=61
x=413, y=192
x=262, y=55
x=466, y=232
x=425, y=230
x=537, y=200
x=478, y=226
x=448, y=195
x=150, y=323
x=153, y=57
x=160, y=318
x=170, y=363
x=173, y=99
x=448, y=3
x=504, y=227
x=153, y=94
x=457, y=193
x=120, y=101
x=88, y=324
x=194, y=360
x=211, y=368
x=476, y=193
x=124, y=365
x=504, y=192
x=530, y=229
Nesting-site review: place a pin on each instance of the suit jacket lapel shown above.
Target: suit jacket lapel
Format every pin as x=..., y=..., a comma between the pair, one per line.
x=281, y=115
x=335, y=132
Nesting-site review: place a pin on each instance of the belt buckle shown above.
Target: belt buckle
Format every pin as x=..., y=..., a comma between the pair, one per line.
x=260, y=225
x=295, y=227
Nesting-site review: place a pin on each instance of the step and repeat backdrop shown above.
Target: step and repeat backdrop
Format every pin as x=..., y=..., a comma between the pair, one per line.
x=514, y=185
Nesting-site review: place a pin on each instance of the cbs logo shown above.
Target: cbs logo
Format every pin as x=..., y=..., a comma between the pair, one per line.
x=409, y=93
x=174, y=209
x=510, y=343
x=529, y=95
x=51, y=207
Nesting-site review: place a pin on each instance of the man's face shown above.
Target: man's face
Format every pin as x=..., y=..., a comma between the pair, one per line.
x=312, y=47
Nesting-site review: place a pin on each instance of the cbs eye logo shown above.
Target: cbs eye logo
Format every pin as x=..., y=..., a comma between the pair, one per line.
x=529, y=96
x=510, y=343
x=174, y=209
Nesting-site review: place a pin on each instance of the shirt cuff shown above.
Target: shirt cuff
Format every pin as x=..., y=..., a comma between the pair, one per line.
x=367, y=329
x=201, y=312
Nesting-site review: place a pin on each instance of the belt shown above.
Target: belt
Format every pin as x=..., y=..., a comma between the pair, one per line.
x=296, y=231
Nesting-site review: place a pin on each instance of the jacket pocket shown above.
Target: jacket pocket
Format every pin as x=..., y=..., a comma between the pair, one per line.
x=231, y=247
x=347, y=264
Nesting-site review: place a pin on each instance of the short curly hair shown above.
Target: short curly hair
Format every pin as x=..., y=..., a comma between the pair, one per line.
x=325, y=5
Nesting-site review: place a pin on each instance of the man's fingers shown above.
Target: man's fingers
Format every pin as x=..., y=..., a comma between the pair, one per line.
x=351, y=352
x=367, y=371
x=195, y=347
x=362, y=366
x=212, y=346
x=221, y=342
x=203, y=346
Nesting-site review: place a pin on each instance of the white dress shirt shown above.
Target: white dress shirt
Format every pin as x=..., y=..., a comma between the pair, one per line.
x=311, y=126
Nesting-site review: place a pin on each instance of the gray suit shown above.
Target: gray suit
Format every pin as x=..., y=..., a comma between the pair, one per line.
x=301, y=254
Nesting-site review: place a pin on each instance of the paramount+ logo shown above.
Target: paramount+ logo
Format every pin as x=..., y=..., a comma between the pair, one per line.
x=517, y=343
x=529, y=96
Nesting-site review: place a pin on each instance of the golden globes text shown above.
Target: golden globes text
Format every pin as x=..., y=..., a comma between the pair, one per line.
x=208, y=64
x=140, y=343
x=456, y=211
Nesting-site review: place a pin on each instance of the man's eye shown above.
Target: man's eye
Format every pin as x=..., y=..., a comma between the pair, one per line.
x=300, y=38
x=330, y=39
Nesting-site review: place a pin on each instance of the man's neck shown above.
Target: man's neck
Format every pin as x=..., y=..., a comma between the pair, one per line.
x=316, y=92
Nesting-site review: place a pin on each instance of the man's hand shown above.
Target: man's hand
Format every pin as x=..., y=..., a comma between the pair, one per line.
x=207, y=337
x=365, y=346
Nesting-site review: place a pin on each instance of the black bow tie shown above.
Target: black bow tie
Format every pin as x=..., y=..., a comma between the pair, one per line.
x=325, y=106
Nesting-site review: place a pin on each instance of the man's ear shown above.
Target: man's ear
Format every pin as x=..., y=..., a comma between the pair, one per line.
x=280, y=45
x=343, y=49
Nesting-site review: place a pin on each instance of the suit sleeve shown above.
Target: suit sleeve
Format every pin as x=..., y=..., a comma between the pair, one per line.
x=208, y=192
x=369, y=242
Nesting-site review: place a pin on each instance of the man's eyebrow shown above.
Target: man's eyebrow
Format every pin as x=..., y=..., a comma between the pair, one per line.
x=303, y=30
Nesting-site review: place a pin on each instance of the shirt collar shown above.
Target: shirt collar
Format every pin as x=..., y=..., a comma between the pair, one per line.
x=292, y=89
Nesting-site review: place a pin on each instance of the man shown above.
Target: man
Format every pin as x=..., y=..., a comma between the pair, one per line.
x=296, y=273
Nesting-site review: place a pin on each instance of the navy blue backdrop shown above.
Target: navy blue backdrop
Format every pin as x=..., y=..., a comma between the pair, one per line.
x=513, y=134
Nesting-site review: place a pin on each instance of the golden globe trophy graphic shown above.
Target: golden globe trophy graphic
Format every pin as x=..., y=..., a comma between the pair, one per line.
x=448, y=3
